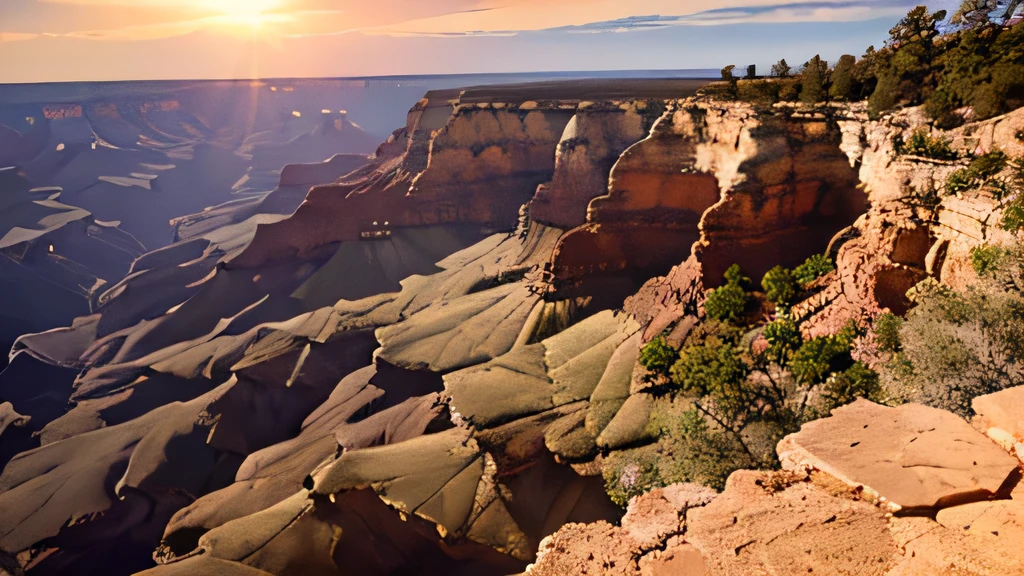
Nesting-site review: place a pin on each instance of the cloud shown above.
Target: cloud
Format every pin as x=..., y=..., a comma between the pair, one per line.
x=796, y=12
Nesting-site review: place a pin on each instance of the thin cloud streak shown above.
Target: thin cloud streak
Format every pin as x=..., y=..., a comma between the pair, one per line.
x=839, y=11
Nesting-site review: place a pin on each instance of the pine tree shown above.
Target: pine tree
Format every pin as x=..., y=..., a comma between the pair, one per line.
x=842, y=78
x=813, y=80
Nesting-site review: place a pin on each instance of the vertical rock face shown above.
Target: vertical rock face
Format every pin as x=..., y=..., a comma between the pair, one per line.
x=479, y=150
x=592, y=143
x=647, y=221
x=790, y=188
x=900, y=242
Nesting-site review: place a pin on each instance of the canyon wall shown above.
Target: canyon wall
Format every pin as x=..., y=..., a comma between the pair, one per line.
x=427, y=364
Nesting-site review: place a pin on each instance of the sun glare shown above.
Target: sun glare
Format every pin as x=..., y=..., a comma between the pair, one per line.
x=251, y=13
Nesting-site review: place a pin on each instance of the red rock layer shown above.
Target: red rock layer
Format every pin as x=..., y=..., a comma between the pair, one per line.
x=483, y=165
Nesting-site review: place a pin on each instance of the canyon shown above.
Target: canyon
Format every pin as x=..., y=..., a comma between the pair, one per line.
x=421, y=360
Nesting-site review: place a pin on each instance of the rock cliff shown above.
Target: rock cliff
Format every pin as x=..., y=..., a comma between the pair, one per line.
x=427, y=365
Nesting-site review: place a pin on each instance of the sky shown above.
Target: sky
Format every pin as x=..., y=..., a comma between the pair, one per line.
x=86, y=40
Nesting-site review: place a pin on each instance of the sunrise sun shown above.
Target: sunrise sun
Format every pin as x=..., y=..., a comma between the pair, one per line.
x=251, y=13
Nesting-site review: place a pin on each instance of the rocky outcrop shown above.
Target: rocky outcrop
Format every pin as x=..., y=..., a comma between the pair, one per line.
x=601, y=548
x=914, y=458
x=591, y=144
x=646, y=222
x=1001, y=417
x=900, y=240
x=8, y=417
x=723, y=183
x=479, y=149
x=817, y=518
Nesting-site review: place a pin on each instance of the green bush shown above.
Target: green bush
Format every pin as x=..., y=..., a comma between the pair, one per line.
x=729, y=301
x=887, y=332
x=820, y=357
x=1013, y=216
x=780, y=286
x=981, y=172
x=658, y=356
x=813, y=268
x=987, y=259
x=988, y=165
x=726, y=303
x=957, y=345
x=857, y=381
x=783, y=338
x=959, y=181
x=688, y=449
x=923, y=144
x=714, y=367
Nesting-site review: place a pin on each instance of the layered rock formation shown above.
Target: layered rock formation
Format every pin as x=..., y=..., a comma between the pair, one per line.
x=425, y=366
x=880, y=505
x=899, y=242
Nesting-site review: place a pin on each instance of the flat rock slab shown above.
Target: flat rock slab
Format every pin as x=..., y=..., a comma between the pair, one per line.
x=1001, y=520
x=761, y=526
x=916, y=457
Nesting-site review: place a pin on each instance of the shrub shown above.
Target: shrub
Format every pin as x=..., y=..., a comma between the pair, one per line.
x=726, y=303
x=988, y=165
x=979, y=173
x=783, y=338
x=987, y=259
x=857, y=381
x=959, y=181
x=819, y=357
x=729, y=301
x=887, y=332
x=957, y=345
x=923, y=144
x=813, y=268
x=658, y=356
x=688, y=449
x=702, y=452
x=629, y=473
x=780, y=286
x=1013, y=216
x=713, y=367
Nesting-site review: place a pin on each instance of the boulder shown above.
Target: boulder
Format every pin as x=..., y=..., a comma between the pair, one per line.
x=914, y=457
x=1001, y=417
x=659, y=514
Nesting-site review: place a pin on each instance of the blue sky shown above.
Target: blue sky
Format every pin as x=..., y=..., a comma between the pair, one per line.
x=64, y=40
